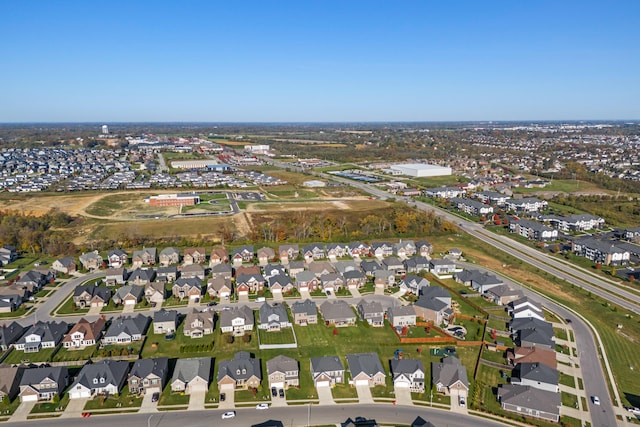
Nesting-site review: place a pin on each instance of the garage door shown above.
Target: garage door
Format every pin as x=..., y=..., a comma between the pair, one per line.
x=30, y=398
x=402, y=384
x=362, y=382
x=323, y=384
x=227, y=387
x=197, y=387
x=277, y=385
x=130, y=302
x=276, y=291
x=79, y=394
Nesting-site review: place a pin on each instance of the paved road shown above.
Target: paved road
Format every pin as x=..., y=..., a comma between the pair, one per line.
x=290, y=416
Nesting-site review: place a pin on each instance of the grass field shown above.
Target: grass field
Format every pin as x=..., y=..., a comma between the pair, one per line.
x=124, y=400
x=284, y=336
x=164, y=348
x=17, y=357
x=64, y=355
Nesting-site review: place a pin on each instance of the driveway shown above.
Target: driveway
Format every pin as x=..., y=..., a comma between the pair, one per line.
x=128, y=308
x=364, y=394
x=94, y=311
x=305, y=295
x=196, y=400
x=229, y=401
x=147, y=405
x=355, y=292
x=324, y=395
x=22, y=411
x=75, y=408
x=403, y=396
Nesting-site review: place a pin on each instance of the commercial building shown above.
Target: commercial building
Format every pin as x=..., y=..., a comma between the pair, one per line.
x=173, y=200
x=421, y=170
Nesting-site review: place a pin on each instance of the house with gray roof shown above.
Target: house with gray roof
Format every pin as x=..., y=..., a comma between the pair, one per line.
x=155, y=293
x=307, y=281
x=332, y=282
x=9, y=333
x=273, y=317
x=472, y=207
x=337, y=313
x=530, y=401
x=117, y=258
x=189, y=288
x=413, y=284
x=304, y=312
x=381, y=249
x=126, y=329
x=43, y=383
x=365, y=369
x=32, y=280
x=146, y=256
x=66, y=265
x=480, y=281
x=192, y=271
x=280, y=284
x=241, y=372
x=533, y=230
x=408, y=373
x=199, y=323
x=116, y=276
x=242, y=254
x=404, y=248
x=535, y=338
x=237, y=320
x=450, y=377
x=169, y=256
x=288, y=253
x=191, y=375
x=141, y=276
x=165, y=321
x=271, y=270
x=222, y=270
x=104, y=377
x=371, y=312
x=91, y=260
x=283, y=372
x=384, y=278
x=358, y=249
x=10, y=377
x=434, y=304
x=442, y=268
x=336, y=250
x=537, y=375
x=41, y=335
x=402, y=315
x=313, y=251
x=416, y=264
x=503, y=294
x=369, y=267
x=295, y=267
x=148, y=375
x=91, y=296
x=327, y=371
x=393, y=264
x=128, y=295
x=344, y=266
x=423, y=248
x=354, y=279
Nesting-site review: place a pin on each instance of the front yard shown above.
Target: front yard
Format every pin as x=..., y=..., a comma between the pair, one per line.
x=123, y=400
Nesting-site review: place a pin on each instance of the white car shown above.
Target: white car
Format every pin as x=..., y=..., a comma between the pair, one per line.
x=262, y=406
x=227, y=415
x=596, y=400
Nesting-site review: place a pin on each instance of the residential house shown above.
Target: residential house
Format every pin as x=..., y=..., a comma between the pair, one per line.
x=295, y=267
x=117, y=258
x=280, y=284
x=525, y=307
x=503, y=294
x=416, y=264
x=141, y=277
x=442, y=268
x=365, y=369
x=41, y=335
x=434, y=304
x=115, y=276
x=247, y=269
x=535, y=337
x=336, y=250
x=249, y=283
x=128, y=295
x=332, y=282
x=155, y=293
x=402, y=315
x=537, y=375
x=33, y=281
x=533, y=230
x=444, y=192
x=191, y=375
x=313, y=252
x=91, y=296
x=106, y=377
x=344, y=266
x=304, y=312
x=273, y=317
x=283, y=372
x=381, y=249
x=270, y=270
x=337, y=313
x=358, y=249
x=218, y=256
x=126, y=329
x=169, y=256
x=192, y=271
x=187, y=288
x=327, y=371
x=479, y=281
x=167, y=274
x=601, y=251
x=237, y=320
x=144, y=257
x=8, y=254
x=10, y=333
x=371, y=312
x=66, y=265
x=241, y=372
x=492, y=197
x=199, y=323
x=242, y=254
x=219, y=287
x=413, y=284
x=222, y=270
x=43, y=384
x=393, y=264
x=265, y=255
x=423, y=248
x=165, y=321
x=307, y=281
x=450, y=377
x=405, y=249
x=288, y=253
x=148, y=375
x=320, y=268
x=91, y=260
x=532, y=355
x=9, y=303
x=471, y=207
x=408, y=373
x=530, y=323
x=194, y=256
x=354, y=279
x=84, y=334
x=384, y=278
x=10, y=377
x=530, y=401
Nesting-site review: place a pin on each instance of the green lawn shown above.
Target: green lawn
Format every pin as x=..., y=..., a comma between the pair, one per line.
x=17, y=357
x=8, y=408
x=170, y=398
x=46, y=407
x=21, y=311
x=497, y=324
x=494, y=356
x=123, y=400
x=156, y=345
x=131, y=349
x=283, y=336
x=569, y=399
x=68, y=307
x=344, y=391
x=64, y=354
x=560, y=333
x=261, y=395
x=567, y=380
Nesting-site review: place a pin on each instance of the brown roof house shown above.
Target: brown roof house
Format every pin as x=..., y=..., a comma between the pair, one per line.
x=219, y=287
x=218, y=256
x=10, y=377
x=84, y=334
x=194, y=256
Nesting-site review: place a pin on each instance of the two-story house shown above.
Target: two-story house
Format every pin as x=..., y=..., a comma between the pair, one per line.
x=283, y=372
x=148, y=375
x=198, y=323
x=83, y=334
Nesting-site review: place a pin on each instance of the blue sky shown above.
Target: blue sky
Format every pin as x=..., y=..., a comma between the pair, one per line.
x=289, y=61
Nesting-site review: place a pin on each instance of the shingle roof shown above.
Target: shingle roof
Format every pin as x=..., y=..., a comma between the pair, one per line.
x=326, y=363
x=113, y=372
x=367, y=363
x=242, y=366
x=188, y=369
x=307, y=306
x=281, y=363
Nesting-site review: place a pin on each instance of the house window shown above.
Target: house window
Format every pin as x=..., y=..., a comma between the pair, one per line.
x=101, y=380
x=95, y=381
x=134, y=382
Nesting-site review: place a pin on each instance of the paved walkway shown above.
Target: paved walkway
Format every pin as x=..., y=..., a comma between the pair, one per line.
x=243, y=298
x=364, y=394
x=305, y=295
x=229, y=401
x=403, y=396
x=324, y=395
x=22, y=411
x=379, y=290
x=94, y=311
x=128, y=308
x=355, y=292
x=196, y=400
x=148, y=407
x=277, y=296
x=75, y=408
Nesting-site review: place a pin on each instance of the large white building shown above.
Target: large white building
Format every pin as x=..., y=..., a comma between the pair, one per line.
x=421, y=170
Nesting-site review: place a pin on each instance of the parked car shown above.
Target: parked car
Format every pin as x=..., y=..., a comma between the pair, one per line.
x=223, y=397
x=155, y=396
x=228, y=415
x=462, y=402
x=596, y=400
x=274, y=392
x=212, y=304
x=261, y=406
x=281, y=392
